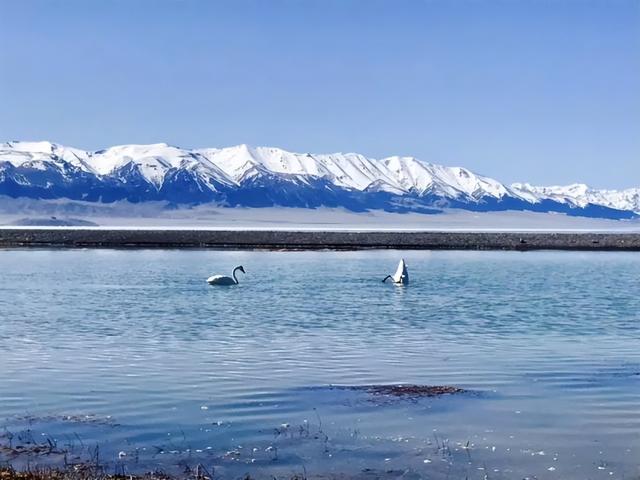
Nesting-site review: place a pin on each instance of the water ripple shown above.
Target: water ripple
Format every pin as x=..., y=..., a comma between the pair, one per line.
x=549, y=338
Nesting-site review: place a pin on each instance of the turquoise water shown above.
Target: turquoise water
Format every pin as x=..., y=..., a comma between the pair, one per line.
x=133, y=353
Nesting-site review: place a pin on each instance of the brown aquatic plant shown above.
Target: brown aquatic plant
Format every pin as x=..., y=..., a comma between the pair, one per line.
x=406, y=390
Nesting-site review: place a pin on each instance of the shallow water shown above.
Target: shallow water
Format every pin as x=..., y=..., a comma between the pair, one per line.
x=133, y=352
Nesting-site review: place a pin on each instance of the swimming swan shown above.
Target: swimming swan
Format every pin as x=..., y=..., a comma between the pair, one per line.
x=401, y=277
x=224, y=280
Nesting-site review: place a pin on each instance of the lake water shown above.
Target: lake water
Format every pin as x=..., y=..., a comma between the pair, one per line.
x=129, y=359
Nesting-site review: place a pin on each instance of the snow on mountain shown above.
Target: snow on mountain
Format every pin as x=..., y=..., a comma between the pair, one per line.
x=154, y=161
x=350, y=170
x=36, y=154
x=414, y=175
x=397, y=175
x=628, y=199
x=580, y=195
x=262, y=176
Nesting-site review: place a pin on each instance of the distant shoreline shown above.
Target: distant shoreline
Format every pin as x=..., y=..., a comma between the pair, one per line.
x=315, y=240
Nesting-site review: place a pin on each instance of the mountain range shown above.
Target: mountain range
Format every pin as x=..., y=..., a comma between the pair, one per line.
x=263, y=176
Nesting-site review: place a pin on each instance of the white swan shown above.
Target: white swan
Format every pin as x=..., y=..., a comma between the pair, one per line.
x=223, y=279
x=401, y=277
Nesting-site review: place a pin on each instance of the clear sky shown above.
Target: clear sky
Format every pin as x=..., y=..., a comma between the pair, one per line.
x=545, y=91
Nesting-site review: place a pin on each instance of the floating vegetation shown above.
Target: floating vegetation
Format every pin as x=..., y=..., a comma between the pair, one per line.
x=24, y=444
x=408, y=391
x=49, y=448
x=84, y=419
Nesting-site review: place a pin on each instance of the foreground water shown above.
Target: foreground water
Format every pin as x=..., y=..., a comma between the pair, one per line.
x=129, y=359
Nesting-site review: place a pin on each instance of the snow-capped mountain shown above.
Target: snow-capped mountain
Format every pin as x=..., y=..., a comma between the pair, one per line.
x=264, y=176
x=581, y=195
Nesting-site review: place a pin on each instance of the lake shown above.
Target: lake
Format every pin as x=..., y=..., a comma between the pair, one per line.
x=128, y=359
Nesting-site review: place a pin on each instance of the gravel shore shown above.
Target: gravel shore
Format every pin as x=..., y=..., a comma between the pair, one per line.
x=315, y=240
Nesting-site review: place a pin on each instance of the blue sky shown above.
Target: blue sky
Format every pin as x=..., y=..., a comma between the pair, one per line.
x=545, y=91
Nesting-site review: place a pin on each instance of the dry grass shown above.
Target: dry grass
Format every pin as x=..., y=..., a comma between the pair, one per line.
x=77, y=473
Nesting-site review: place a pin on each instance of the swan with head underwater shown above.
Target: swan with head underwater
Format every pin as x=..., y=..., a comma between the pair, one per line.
x=224, y=280
x=401, y=277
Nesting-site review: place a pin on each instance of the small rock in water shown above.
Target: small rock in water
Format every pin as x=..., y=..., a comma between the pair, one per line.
x=121, y=455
